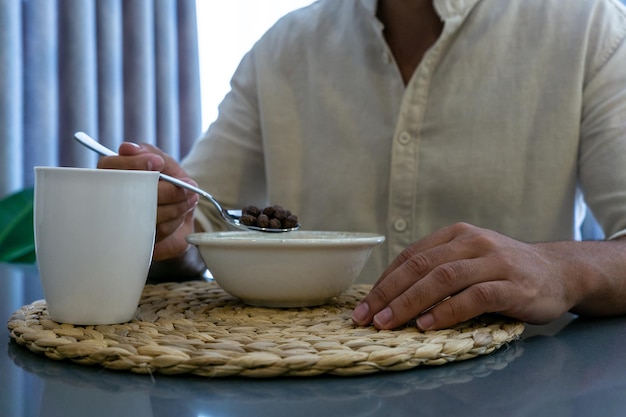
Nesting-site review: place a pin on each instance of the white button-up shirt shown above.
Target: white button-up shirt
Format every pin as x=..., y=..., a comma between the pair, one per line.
x=518, y=106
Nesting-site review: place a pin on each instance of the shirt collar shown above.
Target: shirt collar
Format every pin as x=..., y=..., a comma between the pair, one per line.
x=445, y=8
x=454, y=8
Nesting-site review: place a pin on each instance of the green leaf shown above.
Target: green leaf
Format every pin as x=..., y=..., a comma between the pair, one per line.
x=17, y=242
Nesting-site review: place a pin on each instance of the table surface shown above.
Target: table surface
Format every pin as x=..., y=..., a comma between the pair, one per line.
x=572, y=367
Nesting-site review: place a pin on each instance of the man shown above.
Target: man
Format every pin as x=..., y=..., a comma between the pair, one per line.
x=466, y=131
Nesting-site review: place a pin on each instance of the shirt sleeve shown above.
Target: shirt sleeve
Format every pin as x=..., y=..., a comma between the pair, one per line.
x=227, y=160
x=602, y=156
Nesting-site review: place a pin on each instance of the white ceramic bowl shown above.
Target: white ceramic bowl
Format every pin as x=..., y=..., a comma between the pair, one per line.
x=294, y=269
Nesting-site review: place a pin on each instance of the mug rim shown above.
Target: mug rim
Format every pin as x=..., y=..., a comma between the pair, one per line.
x=94, y=170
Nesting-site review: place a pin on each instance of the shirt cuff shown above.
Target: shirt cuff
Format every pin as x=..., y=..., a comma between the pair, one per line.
x=617, y=235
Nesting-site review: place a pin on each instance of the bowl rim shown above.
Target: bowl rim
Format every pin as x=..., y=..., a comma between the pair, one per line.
x=242, y=238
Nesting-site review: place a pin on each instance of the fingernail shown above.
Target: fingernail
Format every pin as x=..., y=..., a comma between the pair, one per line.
x=381, y=319
x=426, y=321
x=134, y=144
x=360, y=313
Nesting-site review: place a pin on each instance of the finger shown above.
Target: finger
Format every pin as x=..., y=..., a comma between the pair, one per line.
x=175, y=204
x=132, y=149
x=165, y=229
x=443, y=281
x=172, y=194
x=144, y=161
x=407, y=275
x=142, y=156
x=397, y=285
x=175, y=211
x=168, y=249
x=431, y=241
x=173, y=245
x=171, y=217
x=485, y=297
x=170, y=165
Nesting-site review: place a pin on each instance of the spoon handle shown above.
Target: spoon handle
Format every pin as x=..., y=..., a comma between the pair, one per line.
x=96, y=146
x=232, y=219
x=92, y=144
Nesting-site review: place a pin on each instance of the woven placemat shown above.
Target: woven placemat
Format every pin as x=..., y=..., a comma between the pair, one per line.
x=197, y=328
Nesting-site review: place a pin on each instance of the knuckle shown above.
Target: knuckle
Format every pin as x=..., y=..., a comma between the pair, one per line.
x=164, y=215
x=453, y=311
x=446, y=275
x=417, y=265
x=473, y=235
x=407, y=302
x=483, y=295
x=164, y=229
x=405, y=255
x=106, y=162
x=173, y=212
x=461, y=228
x=482, y=242
x=180, y=210
x=169, y=192
x=381, y=293
x=488, y=297
x=460, y=225
x=160, y=232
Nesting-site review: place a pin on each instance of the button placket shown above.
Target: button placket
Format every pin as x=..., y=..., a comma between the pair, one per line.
x=405, y=222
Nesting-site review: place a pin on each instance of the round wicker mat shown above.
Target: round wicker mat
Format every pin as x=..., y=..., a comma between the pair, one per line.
x=197, y=328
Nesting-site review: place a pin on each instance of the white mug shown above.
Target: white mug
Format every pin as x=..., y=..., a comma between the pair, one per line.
x=94, y=237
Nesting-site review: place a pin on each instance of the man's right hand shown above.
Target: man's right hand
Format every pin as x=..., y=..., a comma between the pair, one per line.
x=175, y=204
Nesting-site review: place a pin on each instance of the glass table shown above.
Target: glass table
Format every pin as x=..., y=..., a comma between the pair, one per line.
x=571, y=367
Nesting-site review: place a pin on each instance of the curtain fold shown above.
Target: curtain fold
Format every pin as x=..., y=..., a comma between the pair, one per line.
x=110, y=72
x=76, y=79
x=190, y=108
x=11, y=99
x=166, y=76
x=40, y=91
x=119, y=70
x=139, y=71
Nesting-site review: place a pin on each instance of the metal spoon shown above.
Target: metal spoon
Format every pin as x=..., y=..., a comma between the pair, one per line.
x=230, y=216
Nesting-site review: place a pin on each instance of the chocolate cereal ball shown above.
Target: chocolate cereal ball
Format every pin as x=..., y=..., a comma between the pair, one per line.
x=272, y=217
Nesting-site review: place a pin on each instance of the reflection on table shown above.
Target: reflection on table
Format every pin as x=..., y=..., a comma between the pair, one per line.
x=572, y=367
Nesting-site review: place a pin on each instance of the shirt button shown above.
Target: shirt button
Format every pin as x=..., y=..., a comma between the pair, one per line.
x=400, y=225
x=404, y=138
x=386, y=57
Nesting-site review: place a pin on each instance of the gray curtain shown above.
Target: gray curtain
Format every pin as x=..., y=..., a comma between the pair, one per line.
x=116, y=69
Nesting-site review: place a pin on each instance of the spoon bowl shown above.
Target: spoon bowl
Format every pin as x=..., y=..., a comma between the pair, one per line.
x=232, y=217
